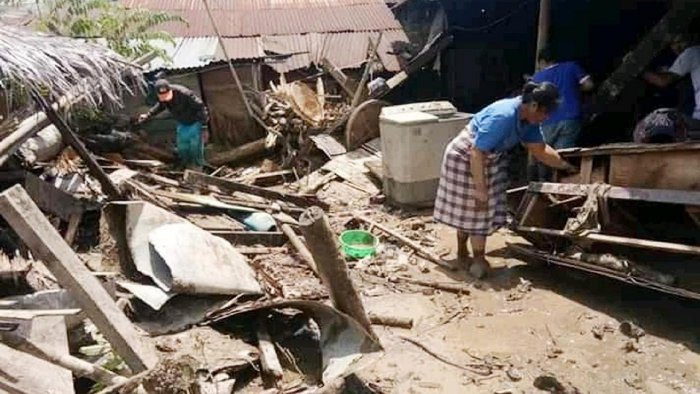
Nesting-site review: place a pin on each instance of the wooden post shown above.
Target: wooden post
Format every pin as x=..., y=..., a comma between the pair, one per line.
x=71, y=139
x=232, y=187
x=543, y=28
x=46, y=243
x=331, y=266
x=300, y=247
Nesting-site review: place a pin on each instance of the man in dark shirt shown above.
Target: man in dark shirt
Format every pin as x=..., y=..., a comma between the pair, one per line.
x=190, y=113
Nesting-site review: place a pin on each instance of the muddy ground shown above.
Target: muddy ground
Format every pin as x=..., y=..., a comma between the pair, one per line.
x=527, y=321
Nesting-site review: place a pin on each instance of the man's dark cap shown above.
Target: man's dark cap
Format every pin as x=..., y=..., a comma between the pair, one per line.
x=162, y=86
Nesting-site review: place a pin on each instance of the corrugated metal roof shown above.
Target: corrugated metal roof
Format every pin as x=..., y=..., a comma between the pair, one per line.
x=241, y=5
x=345, y=50
x=280, y=18
x=187, y=53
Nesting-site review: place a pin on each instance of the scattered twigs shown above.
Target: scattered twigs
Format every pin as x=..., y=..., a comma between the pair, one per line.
x=482, y=370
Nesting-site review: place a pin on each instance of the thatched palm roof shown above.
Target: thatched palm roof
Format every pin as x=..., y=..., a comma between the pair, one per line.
x=40, y=63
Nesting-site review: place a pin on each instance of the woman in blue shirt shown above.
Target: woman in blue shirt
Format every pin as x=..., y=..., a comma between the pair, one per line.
x=471, y=196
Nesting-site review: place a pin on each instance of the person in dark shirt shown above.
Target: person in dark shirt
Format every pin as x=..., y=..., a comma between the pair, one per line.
x=562, y=129
x=190, y=113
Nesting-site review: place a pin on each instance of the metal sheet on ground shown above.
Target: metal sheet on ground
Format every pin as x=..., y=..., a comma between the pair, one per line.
x=200, y=263
x=343, y=340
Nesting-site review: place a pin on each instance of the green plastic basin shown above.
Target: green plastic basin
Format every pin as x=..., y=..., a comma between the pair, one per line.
x=358, y=244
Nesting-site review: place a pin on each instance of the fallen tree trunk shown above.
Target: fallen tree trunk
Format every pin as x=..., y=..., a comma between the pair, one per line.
x=331, y=266
x=30, y=126
x=44, y=146
x=239, y=153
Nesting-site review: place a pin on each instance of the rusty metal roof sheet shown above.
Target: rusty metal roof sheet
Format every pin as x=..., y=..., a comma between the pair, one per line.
x=274, y=17
x=345, y=50
x=241, y=5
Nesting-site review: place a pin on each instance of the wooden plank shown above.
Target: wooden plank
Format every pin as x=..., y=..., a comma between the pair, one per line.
x=49, y=334
x=248, y=238
x=548, y=258
x=46, y=243
x=72, y=230
x=658, y=170
x=622, y=193
x=269, y=362
x=51, y=199
x=343, y=80
x=625, y=148
x=29, y=314
x=586, y=169
x=237, y=187
x=612, y=239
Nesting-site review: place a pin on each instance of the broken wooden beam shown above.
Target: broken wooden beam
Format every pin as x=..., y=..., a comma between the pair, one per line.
x=249, y=238
x=49, y=333
x=237, y=187
x=71, y=139
x=543, y=257
x=613, y=239
x=343, y=80
x=300, y=247
x=332, y=268
x=46, y=243
x=77, y=366
x=684, y=197
x=269, y=362
x=419, y=249
x=240, y=153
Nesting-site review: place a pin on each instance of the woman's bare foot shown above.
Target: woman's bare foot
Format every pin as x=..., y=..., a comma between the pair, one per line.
x=463, y=258
x=480, y=268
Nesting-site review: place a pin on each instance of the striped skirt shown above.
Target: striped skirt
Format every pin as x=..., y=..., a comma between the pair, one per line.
x=455, y=204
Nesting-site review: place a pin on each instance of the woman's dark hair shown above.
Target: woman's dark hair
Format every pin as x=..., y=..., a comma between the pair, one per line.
x=545, y=95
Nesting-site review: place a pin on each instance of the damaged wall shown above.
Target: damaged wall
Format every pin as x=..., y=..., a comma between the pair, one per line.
x=229, y=124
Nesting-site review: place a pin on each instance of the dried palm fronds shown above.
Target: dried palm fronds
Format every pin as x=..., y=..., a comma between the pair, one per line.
x=58, y=66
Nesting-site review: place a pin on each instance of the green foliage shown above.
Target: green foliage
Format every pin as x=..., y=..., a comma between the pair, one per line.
x=128, y=32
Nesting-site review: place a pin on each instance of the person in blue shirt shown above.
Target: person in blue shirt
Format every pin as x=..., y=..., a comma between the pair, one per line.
x=563, y=127
x=471, y=195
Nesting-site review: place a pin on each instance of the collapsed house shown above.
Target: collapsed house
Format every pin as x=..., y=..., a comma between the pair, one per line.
x=264, y=40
